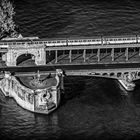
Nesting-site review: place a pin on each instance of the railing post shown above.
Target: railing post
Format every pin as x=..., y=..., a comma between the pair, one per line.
x=126, y=54
x=98, y=54
x=70, y=55
x=55, y=56
x=112, y=54
x=84, y=55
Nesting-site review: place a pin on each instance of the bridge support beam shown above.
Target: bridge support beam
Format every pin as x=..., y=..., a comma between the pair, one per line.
x=40, y=57
x=56, y=56
x=126, y=54
x=70, y=53
x=84, y=55
x=112, y=54
x=98, y=55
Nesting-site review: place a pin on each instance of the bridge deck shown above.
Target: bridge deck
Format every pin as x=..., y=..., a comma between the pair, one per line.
x=73, y=57
x=76, y=67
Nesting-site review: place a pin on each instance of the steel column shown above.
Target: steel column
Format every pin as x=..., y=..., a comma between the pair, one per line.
x=98, y=54
x=126, y=54
x=84, y=55
x=70, y=55
x=55, y=56
x=112, y=54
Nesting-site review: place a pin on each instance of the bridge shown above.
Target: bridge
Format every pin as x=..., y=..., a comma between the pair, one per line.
x=111, y=60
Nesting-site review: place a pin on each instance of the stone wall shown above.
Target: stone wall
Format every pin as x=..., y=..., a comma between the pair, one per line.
x=15, y=51
x=23, y=96
x=39, y=100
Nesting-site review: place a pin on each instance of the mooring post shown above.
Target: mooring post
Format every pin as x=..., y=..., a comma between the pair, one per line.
x=98, y=54
x=112, y=54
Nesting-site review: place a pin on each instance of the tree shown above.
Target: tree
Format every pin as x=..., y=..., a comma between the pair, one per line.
x=7, y=25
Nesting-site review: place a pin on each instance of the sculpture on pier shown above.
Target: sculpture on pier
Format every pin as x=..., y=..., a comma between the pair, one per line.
x=39, y=82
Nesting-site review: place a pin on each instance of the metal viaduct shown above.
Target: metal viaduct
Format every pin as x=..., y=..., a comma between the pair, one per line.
x=117, y=61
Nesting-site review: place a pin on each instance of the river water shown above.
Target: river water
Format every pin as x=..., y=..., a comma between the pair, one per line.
x=92, y=108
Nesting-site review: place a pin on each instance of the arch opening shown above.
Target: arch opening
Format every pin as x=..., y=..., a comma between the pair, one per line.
x=119, y=74
x=25, y=59
x=112, y=74
x=139, y=74
x=105, y=74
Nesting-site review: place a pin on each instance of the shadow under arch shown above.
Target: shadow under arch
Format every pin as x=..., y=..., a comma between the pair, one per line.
x=25, y=58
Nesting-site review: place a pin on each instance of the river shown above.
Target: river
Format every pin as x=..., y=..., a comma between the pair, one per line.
x=92, y=108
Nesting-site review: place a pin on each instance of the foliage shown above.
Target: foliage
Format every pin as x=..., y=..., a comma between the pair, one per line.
x=7, y=25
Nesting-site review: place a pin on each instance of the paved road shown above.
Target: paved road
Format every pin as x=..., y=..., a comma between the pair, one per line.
x=78, y=63
x=69, y=67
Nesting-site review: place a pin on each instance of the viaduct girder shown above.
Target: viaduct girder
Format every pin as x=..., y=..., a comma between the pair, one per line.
x=117, y=61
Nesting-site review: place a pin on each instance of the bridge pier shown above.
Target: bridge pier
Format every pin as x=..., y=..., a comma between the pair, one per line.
x=129, y=86
x=127, y=81
x=14, y=52
x=42, y=96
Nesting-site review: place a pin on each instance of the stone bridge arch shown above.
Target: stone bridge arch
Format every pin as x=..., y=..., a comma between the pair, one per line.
x=22, y=58
x=14, y=52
